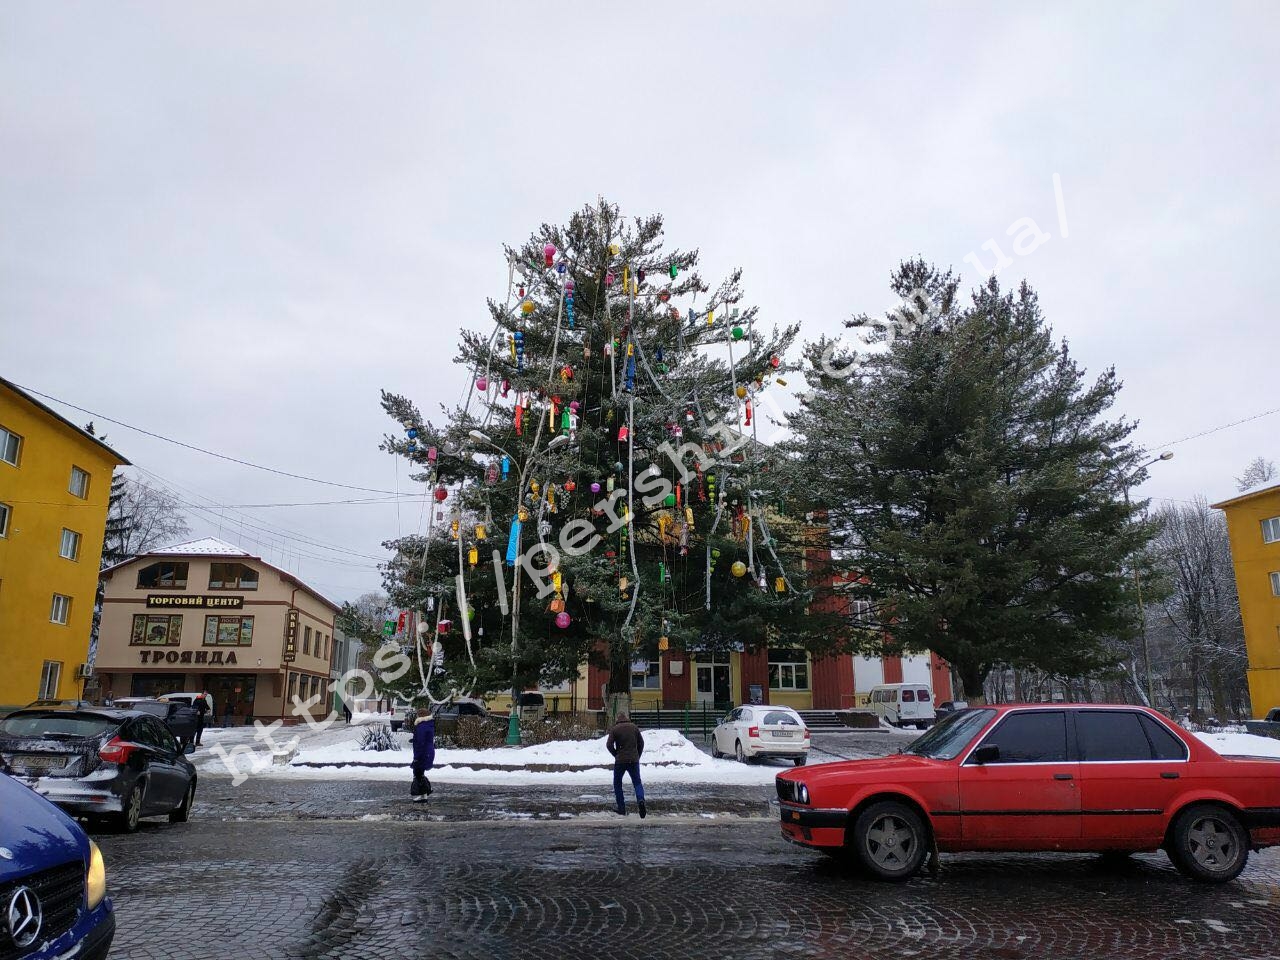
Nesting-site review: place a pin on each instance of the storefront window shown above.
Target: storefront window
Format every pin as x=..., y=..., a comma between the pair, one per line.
x=646, y=675
x=228, y=631
x=163, y=576
x=153, y=631
x=232, y=576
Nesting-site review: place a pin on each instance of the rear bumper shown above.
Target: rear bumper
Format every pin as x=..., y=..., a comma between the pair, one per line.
x=81, y=795
x=813, y=828
x=767, y=748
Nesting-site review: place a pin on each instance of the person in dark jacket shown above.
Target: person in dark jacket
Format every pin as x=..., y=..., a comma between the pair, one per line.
x=626, y=744
x=202, y=711
x=424, y=746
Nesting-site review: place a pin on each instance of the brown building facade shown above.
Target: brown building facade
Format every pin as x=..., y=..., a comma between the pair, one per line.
x=208, y=616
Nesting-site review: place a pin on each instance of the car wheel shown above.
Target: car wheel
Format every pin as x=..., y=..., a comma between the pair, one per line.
x=801, y=761
x=183, y=812
x=715, y=748
x=131, y=809
x=740, y=753
x=890, y=840
x=1208, y=844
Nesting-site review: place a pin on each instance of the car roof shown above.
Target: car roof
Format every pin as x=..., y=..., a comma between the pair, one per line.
x=110, y=713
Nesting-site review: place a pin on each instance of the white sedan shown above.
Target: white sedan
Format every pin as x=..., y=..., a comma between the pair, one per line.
x=749, y=733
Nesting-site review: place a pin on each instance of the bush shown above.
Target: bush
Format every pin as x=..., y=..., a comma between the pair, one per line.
x=479, y=733
x=569, y=726
x=378, y=738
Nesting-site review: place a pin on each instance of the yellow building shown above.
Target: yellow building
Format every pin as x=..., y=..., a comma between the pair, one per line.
x=55, y=481
x=1253, y=522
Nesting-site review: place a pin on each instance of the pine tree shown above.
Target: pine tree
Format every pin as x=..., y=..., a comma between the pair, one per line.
x=617, y=346
x=975, y=489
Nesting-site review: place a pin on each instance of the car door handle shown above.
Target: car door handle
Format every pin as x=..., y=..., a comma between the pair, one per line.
x=1170, y=775
x=1062, y=776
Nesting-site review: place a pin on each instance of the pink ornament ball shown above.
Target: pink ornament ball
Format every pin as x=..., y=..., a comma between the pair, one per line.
x=549, y=253
x=595, y=488
x=482, y=384
x=563, y=620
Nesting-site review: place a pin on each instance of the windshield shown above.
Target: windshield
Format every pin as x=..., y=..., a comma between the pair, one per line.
x=776, y=717
x=946, y=739
x=41, y=724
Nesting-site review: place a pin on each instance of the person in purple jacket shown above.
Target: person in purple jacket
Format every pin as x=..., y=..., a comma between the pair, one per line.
x=424, y=749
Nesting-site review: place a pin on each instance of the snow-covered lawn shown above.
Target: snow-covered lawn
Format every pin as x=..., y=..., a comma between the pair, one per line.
x=668, y=757
x=1242, y=744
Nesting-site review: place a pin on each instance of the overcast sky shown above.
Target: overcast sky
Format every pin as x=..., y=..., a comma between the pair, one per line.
x=232, y=223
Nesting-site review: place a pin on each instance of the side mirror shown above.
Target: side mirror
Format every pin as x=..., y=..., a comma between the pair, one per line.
x=987, y=753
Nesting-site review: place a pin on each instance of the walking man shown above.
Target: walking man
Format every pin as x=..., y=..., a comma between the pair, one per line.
x=424, y=753
x=626, y=744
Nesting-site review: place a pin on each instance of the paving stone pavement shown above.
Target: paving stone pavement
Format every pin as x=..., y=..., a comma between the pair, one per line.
x=649, y=890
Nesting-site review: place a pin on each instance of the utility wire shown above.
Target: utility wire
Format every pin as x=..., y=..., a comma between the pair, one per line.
x=1225, y=426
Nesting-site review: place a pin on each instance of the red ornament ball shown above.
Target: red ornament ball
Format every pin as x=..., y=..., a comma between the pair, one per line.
x=441, y=494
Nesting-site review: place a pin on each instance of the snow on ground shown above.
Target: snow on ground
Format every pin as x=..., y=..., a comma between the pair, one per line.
x=668, y=757
x=1242, y=744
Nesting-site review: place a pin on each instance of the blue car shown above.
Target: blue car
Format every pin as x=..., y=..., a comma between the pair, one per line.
x=53, y=884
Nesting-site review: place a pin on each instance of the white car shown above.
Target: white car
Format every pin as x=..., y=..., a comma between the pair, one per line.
x=750, y=733
x=189, y=698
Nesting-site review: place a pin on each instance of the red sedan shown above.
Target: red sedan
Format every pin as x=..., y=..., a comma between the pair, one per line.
x=1111, y=779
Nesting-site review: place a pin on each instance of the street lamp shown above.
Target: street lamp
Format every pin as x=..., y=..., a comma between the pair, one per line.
x=555, y=443
x=1137, y=582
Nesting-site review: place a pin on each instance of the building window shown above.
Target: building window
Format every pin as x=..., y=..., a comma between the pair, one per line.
x=228, y=631
x=79, y=486
x=10, y=446
x=70, y=547
x=60, y=612
x=293, y=686
x=165, y=575
x=788, y=670
x=306, y=641
x=232, y=576
x=150, y=630
x=1275, y=584
x=50, y=675
x=5, y=512
x=646, y=675
x=1271, y=530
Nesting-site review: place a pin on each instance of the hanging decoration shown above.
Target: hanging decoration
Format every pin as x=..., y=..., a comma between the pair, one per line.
x=739, y=569
x=563, y=620
x=549, y=254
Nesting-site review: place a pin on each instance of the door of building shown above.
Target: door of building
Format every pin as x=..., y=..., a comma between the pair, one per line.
x=234, y=691
x=713, y=682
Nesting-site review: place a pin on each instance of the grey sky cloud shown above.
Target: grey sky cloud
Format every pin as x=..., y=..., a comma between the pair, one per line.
x=233, y=223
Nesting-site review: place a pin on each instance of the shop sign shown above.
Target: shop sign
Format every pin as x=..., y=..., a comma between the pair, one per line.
x=291, y=636
x=199, y=601
x=210, y=658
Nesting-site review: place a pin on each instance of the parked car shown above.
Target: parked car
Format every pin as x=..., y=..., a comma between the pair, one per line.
x=100, y=763
x=190, y=697
x=57, y=703
x=904, y=704
x=1270, y=727
x=1109, y=779
x=533, y=707
x=176, y=715
x=945, y=707
x=758, y=732
x=53, y=882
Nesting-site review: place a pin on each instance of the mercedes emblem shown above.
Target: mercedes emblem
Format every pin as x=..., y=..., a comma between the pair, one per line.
x=23, y=917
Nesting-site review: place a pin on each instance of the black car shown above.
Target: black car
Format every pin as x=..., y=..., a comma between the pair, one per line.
x=178, y=716
x=99, y=763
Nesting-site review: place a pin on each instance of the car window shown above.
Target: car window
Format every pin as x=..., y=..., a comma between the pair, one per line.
x=1110, y=735
x=56, y=724
x=154, y=734
x=923, y=696
x=908, y=696
x=1165, y=745
x=948, y=738
x=781, y=716
x=1034, y=736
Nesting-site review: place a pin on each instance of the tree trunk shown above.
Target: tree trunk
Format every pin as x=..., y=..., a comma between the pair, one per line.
x=972, y=678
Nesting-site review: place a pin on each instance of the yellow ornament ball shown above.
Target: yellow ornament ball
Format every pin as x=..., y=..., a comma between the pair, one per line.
x=526, y=306
x=741, y=391
x=739, y=569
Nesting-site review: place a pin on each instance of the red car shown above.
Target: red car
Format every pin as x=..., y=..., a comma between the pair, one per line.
x=1111, y=779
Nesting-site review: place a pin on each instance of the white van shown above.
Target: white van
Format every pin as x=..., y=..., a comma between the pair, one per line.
x=903, y=704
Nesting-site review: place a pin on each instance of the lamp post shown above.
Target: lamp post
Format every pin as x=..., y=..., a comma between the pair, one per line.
x=556, y=442
x=1137, y=582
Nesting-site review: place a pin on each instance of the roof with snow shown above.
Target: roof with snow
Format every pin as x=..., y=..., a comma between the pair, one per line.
x=1264, y=487
x=204, y=547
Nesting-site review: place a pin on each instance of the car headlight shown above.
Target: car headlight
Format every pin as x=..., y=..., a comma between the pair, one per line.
x=802, y=794
x=95, y=881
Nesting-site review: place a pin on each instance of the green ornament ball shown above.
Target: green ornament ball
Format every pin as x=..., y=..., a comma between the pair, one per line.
x=738, y=333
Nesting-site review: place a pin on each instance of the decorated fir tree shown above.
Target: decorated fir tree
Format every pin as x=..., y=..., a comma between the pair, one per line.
x=602, y=490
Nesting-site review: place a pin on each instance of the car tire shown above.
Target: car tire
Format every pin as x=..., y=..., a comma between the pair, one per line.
x=715, y=750
x=131, y=809
x=801, y=761
x=740, y=754
x=182, y=813
x=889, y=840
x=1207, y=843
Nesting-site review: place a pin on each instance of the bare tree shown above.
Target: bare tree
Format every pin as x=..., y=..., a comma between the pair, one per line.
x=1259, y=471
x=141, y=517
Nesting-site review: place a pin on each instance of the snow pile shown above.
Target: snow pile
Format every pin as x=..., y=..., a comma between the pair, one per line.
x=1242, y=744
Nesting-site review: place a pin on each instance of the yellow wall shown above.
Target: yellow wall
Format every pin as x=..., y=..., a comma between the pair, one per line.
x=31, y=571
x=1254, y=562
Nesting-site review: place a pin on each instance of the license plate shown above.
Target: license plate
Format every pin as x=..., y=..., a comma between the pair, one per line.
x=33, y=764
x=783, y=733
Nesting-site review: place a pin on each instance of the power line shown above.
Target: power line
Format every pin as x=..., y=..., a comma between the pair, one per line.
x=210, y=453
x=1225, y=426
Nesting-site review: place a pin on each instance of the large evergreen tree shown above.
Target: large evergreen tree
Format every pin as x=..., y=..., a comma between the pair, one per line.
x=973, y=482
x=605, y=347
